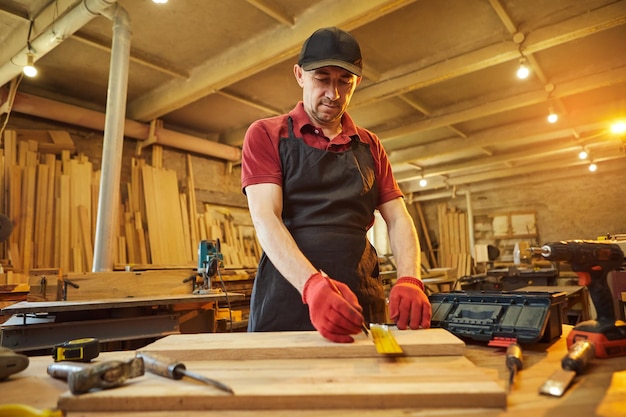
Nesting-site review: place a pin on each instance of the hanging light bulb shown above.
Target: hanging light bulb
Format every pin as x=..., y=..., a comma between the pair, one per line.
x=29, y=69
x=522, y=72
x=583, y=154
x=592, y=167
x=423, y=182
x=159, y=1
x=552, y=116
x=618, y=127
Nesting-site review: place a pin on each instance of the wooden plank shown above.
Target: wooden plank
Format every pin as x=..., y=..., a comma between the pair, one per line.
x=307, y=384
x=63, y=231
x=49, y=215
x=152, y=215
x=100, y=285
x=184, y=212
x=296, y=345
x=28, y=218
x=85, y=228
x=113, y=303
x=431, y=254
x=193, y=212
x=141, y=239
x=132, y=249
x=40, y=216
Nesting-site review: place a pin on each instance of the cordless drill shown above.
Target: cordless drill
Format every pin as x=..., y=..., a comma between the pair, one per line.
x=592, y=261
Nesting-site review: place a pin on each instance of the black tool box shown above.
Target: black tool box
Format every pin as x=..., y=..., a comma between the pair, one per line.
x=500, y=317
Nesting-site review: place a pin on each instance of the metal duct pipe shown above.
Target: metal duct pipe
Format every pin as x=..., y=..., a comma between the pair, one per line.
x=113, y=144
x=60, y=30
x=91, y=119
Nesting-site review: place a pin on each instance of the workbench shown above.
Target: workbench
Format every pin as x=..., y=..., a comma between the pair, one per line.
x=42, y=324
x=601, y=391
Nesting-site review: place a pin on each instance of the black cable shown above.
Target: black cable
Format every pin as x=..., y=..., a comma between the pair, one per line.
x=230, y=312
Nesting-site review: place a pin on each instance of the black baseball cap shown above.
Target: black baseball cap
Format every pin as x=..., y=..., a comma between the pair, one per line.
x=331, y=47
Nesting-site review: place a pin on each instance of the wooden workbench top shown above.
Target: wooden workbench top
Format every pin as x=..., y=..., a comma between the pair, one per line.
x=109, y=303
x=599, y=392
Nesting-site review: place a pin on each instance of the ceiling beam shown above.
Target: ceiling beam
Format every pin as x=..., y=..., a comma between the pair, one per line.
x=533, y=151
x=148, y=62
x=542, y=169
x=273, y=12
x=476, y=110
x=547, y=37
x=590, y=119
x=266, y=50
x=578, y=27
x=520, y=181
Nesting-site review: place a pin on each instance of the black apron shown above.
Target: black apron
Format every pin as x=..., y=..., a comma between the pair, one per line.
x=328, y=202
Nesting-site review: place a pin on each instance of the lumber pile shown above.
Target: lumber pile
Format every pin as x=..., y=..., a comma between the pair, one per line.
x=162, y=226
x=48, y=195
x=454, y=247
x=51, y=196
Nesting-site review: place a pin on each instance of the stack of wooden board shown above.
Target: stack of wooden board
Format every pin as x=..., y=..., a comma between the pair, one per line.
x=50, y=202
x=454, y=247
x=302, y=370
x=51, y=196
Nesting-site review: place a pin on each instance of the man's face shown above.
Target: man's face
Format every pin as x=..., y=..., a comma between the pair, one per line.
x=326, y=92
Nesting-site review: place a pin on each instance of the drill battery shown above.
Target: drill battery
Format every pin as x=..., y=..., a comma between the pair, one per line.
x=500, y=317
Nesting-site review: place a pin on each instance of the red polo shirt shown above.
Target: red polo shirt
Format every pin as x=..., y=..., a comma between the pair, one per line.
x=260, y=161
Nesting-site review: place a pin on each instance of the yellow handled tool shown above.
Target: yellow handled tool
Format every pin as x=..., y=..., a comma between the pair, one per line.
x=21, y=410
x=384, y=340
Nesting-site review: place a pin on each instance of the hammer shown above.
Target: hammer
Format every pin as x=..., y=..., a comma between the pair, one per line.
x=83, y=377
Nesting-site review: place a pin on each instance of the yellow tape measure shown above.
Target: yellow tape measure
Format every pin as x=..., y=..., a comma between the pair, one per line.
x=384, y=341
x=78, y=350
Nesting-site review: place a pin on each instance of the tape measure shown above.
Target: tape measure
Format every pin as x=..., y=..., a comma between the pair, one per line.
x=77, y=350
x=384, y=341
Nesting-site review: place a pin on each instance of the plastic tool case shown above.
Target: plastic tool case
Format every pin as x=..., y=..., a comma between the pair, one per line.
x=500, y=317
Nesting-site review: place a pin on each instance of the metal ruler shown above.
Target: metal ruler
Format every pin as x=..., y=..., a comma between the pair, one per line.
x=384, y=340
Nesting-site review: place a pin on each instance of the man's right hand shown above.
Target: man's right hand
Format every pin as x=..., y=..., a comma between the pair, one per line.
x=334, y=308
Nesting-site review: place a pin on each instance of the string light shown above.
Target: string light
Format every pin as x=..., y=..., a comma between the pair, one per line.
x=583, y=154
x=592, y=167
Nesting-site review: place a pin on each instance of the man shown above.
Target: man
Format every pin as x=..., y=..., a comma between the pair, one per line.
x=313, y=180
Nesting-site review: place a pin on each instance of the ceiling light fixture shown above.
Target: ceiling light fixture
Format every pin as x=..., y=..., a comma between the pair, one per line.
x=592, y=167
x=618, y=127
x=552, y=116
x=423, y=182
x=583, y=154
x=522, y=71
x=29, y=69
x=159, y=1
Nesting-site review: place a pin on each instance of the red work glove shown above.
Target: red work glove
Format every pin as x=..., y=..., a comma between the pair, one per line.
x=334, y=309
x=409, y=304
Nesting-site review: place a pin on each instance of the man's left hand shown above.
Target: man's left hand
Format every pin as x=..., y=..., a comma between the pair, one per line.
x=409, y=304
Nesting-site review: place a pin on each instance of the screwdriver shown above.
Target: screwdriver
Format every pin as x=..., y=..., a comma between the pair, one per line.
x=176, y=370
x=513, y=361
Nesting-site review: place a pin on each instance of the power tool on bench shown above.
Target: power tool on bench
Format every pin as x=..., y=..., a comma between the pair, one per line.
x=592, y=261
x=210, y=259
